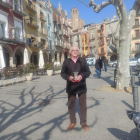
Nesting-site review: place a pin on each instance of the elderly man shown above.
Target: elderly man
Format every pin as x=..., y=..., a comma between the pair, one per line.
x=78, y=87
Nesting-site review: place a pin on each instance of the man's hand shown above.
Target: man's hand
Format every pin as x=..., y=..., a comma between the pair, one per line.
x=71, y=78
x=79, y=78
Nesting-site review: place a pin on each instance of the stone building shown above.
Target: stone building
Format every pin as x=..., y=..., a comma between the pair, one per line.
x=12, y=39
x=42, y=31
x=57, y=35
x=75, y=22
x=135, y=37
x=85, y=41
x=65, y=37
x=93, y=40
x=102, y=44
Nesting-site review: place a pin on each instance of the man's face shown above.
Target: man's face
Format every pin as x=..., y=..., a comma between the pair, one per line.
x=74, y=52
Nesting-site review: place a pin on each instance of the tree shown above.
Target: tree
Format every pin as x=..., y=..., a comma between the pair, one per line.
x=122, y=37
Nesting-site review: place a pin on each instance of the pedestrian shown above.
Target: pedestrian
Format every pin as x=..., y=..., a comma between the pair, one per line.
x=71, y=65
x=105, y=64
x=98, y=66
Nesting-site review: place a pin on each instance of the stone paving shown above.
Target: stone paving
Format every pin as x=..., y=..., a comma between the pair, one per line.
x=37, y=110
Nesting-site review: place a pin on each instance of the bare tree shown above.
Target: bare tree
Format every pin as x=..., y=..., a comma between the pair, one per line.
x=122, y=37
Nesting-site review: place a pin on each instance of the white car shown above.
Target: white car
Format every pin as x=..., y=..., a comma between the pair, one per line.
x=110, y=64
x=133, y=62
x=90, y=61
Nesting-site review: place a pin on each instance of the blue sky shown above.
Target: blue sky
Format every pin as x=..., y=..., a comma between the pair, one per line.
x=87, y=13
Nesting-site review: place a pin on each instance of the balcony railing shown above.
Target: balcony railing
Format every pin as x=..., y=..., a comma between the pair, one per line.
x=60, y=33
x=42, y=18
x=17, y=9
x=56, y=31
x=31, y=7
x=32, y=43
x=59, y=23
x=54, y=20
x=102, y=52
x=136, y=26
x=43, y=32
x=32, y=24
x=7, y=3
x=77, y=40
x=49, y=22
x=135, y=37
x=92, y=38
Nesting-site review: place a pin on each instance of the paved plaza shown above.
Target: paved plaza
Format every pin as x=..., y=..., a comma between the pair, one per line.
x=37, y=110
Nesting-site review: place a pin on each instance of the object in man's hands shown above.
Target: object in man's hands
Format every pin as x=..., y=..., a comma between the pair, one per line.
x=75, y=76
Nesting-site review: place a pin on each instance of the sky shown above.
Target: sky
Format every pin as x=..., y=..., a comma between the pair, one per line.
x=87, y=13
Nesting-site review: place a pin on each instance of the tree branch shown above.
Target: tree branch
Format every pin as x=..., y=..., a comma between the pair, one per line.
x=97, y=8
x=84, y=3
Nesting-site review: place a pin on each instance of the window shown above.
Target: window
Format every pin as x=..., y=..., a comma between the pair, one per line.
x=136, y=21
x=137, y=33
x=2, y=31
x=48, y=18
x=137, y=46
x=50, y=42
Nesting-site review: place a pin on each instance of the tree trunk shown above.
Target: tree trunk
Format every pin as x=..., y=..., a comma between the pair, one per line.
x=123, y=71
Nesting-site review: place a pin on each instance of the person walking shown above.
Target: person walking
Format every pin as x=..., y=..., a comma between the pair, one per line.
x=105, y=64
x=98, y=66
x=78, y=87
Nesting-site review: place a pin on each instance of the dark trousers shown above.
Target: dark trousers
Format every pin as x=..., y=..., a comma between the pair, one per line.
x=83, y=107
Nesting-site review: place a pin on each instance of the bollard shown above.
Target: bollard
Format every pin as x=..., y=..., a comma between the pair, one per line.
x=138, y=134
x=135, y=97
x=132, y=80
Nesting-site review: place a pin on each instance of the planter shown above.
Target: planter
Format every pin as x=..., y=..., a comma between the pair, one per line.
x=49, y=72
x=29, y=77
x=57, y=72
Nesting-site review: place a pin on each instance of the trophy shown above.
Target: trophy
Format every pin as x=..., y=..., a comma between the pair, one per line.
x=75, y=76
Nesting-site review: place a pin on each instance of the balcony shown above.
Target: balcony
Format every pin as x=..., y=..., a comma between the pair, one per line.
x=57, y=43
x=101, y=42
x=7, y=4
x=59, y=23
x=136, y=26
x=55, y=20
x=42, y=18
x=56, y=31
x=49, y=22
x=33, y=42
x=31, y=7
x=65, y=33
x=135, y=37
x=60, y=33
x=43, y=32
x=17, y=9
x=102, y=52
x=77, y=40
x=101, y=35
x=32, y=24
x=92, y=38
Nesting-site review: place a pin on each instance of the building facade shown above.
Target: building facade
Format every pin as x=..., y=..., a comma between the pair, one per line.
x=31, y=27
x=50, y=35
x=58, y=45
x=135, y=38
x=42, y=30
x=93, y=40
x=12, y=39
x=64, y=27
x=102, y=44
x=85, y=41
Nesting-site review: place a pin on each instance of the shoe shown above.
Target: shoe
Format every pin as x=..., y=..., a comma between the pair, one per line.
x=85, y=126
x=70, y=127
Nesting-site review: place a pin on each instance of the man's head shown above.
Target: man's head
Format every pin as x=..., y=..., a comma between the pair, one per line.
x=74, y=51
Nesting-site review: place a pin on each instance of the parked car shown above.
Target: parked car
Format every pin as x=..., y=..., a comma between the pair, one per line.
x=110, y=64
x=114, y=64
x=91, y=61
x=133, y=62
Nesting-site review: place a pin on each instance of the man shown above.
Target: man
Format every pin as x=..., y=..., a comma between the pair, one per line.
x=98, y=66
x=70, y=65
x=105, y=64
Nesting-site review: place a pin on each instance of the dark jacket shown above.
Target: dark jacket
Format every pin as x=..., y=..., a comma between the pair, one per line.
x=98, y=64
x=67, y=70
x=105, y=62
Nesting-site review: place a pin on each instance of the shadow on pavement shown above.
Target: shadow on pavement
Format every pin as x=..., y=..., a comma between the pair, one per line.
x=25, y=110
x=128, y=105
x=122, y=135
